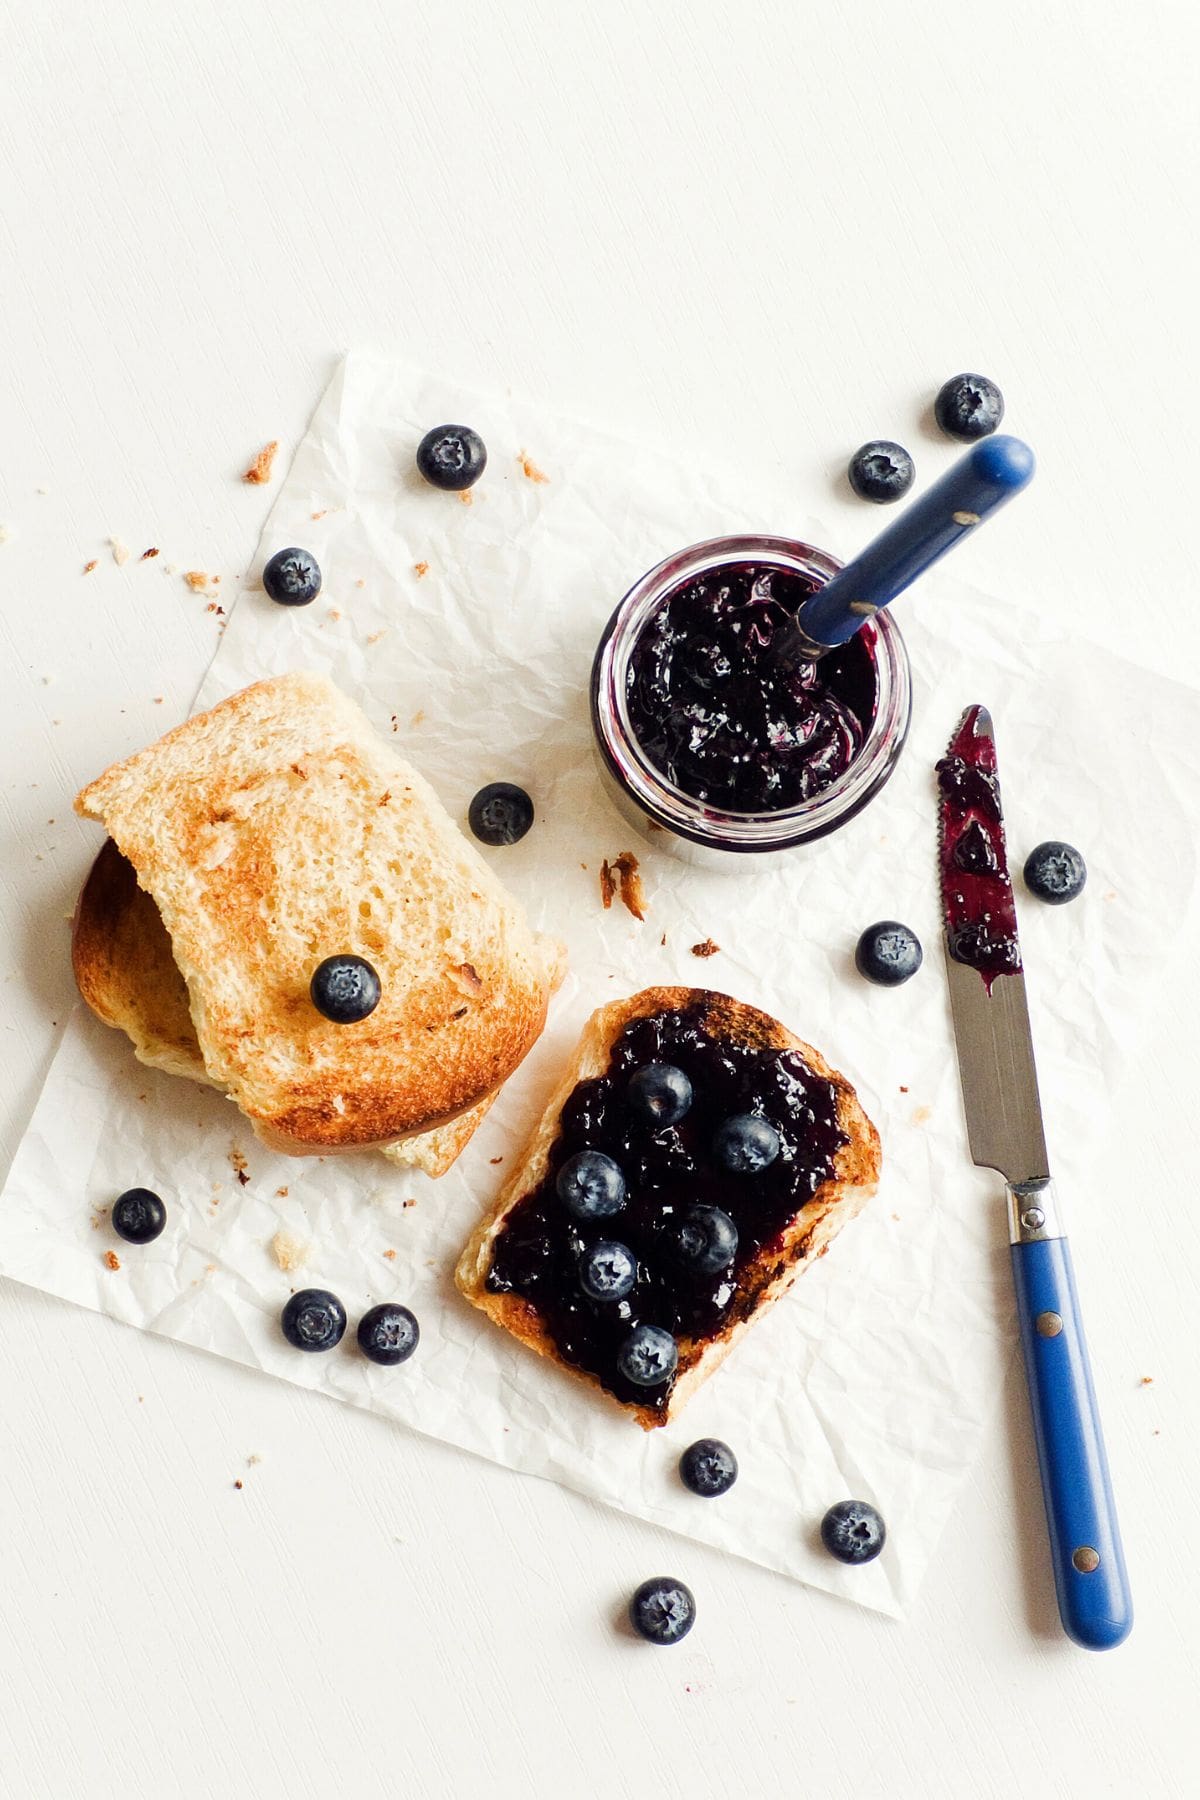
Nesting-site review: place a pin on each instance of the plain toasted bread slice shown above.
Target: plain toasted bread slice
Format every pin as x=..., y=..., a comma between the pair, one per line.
x=121, y=955
x=759, y=1283
x=275, y=830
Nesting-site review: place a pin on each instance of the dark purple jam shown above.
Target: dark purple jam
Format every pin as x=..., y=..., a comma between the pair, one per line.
x=721, y=714
x=981, y=920
x=667, y=1170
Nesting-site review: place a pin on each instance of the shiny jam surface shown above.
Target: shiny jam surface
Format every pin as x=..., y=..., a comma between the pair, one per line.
x=981, y=920
x=667, y=1169
x=718, y=713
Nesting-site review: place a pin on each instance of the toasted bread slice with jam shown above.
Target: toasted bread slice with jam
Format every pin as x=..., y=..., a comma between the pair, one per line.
x=273, y=831
x=520, y=1266
x=124, y=969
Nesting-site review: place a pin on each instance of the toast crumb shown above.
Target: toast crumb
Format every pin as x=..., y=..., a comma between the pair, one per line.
x=281, y=1193
x=707, y=948
x=197, y=579
x=99, y=1215
x=623, y=878
x=147, y=554
x=420, y=570
x=418, y=718
x=238, y=1164
x=238, y=1485
x=921, y=1114
x=1146, y=1381
x=289, y=1251
x=495, y=1159
x=120, y=552
x=375, y=636
x=530, y=470
x=260, y=469
x=409, y=1202
x=903, y=1089
x=112, y=1260
x=334, y=614
x=389, y=1255
x=466, y=497
x=253, y=1460
x=89, y=566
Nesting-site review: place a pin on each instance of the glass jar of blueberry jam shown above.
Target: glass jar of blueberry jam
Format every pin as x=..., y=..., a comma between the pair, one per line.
x=710, y=735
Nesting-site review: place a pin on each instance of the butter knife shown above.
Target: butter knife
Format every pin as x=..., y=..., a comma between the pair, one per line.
x=1004, y=1128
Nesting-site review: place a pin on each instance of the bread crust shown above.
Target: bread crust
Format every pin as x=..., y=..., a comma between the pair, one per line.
x=124, y=969
x=276, y=828
x=809, y=1235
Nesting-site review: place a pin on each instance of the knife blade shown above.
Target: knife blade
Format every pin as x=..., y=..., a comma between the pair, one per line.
x=986, y=976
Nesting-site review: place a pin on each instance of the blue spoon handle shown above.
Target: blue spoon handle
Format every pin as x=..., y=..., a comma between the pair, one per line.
x=1085, y=1542
x=980, y=482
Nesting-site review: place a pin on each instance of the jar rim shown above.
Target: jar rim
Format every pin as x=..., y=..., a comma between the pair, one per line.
x=672, y=809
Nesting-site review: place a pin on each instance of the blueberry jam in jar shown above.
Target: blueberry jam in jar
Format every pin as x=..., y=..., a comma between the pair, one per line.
x=669, y=1170
x=722, y=716
x=711, y=735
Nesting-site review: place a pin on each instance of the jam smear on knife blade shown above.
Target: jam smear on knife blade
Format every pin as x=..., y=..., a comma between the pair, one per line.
x=981, y=920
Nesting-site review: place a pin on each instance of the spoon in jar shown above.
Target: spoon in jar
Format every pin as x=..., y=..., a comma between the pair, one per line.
x=979, y=484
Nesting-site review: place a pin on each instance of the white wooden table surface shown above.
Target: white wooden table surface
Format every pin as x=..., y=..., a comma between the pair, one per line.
x=763, y=231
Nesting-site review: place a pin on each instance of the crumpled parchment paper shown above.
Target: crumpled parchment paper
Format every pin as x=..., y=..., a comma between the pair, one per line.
x=466, y=631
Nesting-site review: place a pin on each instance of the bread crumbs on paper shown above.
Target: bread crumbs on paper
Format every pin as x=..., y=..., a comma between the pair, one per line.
x=389, y=1255
x=238, y=1164
x=112, y=1260
x=89, y=566
x=253, y=1460
x=197, y=579
x=376, y=635
x=466, y=497
x=621, y=879
x=409, y=1202
x=259, y=471
x=707, y=948
x=289, y=1251
x=922, y=1114
x=148, y=554
x=418, y=718
x=281, y=1193
x=495, y=1159
x=238, y=1486
x=530, y=470
x=1146, y=1381
x=120, y=551
x=421, y=570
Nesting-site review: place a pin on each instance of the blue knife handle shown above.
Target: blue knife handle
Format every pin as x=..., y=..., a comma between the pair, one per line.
x=979, y=483
x=1093, y=1595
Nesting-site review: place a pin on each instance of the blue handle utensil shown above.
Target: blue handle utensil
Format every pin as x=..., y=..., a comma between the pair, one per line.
x=1085, y=1544
x=1004, y=1127
x=980, y=482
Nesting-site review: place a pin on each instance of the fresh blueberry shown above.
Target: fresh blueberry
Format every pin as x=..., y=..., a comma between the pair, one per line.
x=648, y=1356
x=703, y=1240
x=659, y=1093
x=292, y=578
x=138, y=1216
x=888, y=953
x=607, y=1271
x=853, y=1531
x=968, y=407
x=881, y=471
x=1055, y=872
x=500, y=813
x=313, y=1319
x=345, y=989
x=745, y=1144
x=590, y=1185
x=708, y=1467
x=663, y=1610
x=388, y=1334
x=452, y=457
